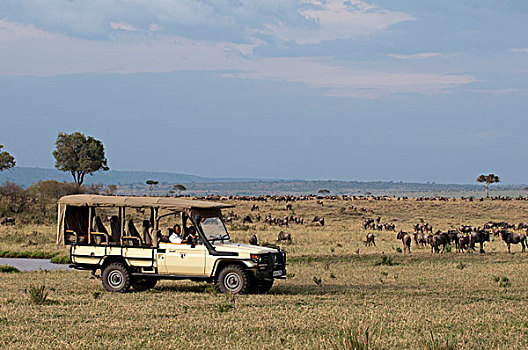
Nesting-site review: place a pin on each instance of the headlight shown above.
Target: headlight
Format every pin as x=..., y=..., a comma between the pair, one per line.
x=256, y=258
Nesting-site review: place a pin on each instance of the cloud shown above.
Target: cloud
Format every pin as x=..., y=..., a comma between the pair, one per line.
x=416, y=56
x=335, y=19
x=302, y=21
x=520, y=50
x=123, y=26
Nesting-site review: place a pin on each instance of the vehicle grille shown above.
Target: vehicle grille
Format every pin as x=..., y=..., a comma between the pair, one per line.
x=272, y=259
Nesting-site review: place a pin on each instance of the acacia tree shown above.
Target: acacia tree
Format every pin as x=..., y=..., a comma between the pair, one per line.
x=79, y=155
x=488, y=180
x=179, y=188
x=7, y=161
x=151, y=184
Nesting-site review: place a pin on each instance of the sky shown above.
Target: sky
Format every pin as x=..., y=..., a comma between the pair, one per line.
x=408, y=90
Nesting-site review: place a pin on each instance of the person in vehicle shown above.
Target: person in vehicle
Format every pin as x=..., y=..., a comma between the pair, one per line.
x=191, y=236
x=176, y=237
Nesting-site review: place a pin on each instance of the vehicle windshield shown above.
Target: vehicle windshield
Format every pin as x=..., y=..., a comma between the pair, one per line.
x=214, y=229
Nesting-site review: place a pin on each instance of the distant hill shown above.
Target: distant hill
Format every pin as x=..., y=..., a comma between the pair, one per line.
x=25, y=176
x=133, y=183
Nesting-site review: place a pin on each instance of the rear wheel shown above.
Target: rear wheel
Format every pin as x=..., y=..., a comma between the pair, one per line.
x=143, y=284
x=233, y=279
x=116, y=278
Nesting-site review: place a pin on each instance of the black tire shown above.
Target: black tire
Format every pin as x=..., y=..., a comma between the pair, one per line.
x=116, y=278
x=234, y=279
x=144, y=284
x=262, y=286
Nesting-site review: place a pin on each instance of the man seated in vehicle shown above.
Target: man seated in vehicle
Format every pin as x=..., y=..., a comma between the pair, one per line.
x=191, y=236
x=176, y=237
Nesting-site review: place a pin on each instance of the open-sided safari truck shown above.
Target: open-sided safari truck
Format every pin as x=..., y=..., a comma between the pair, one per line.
x=127, y=257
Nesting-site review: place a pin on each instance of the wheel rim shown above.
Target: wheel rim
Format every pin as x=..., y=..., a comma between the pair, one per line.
x=232, y=281
x=115, y=279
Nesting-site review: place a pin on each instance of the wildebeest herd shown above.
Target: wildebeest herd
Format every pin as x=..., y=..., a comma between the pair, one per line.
x=464, y=238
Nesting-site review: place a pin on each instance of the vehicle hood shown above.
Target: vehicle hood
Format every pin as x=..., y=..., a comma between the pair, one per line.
x=243, y=248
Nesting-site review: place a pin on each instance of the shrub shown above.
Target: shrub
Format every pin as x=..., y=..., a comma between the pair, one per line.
x=60, y=259
x=502, y=281
x=460, y=265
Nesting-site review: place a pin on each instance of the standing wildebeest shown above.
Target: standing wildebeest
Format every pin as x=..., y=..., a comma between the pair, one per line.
x=479, y=236
x=419, y=239
x=283, y=236
x=7, y=220
x=370, y=240
x=289, y=206
x=406, y=240
x=513, y=238
x=253, y=240
x=440, y=239
x=247, y=219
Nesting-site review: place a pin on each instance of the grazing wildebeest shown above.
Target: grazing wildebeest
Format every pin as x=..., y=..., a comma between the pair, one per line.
x=253, y=240
x=419, y=239
x=406, y=240
x=513, y=238
x=247, y=219
x=283, y=236
x=289, y=206
x=7, y=220
x=440, y=239
x=259, y=217
x=370, y=240
x=320, y=220
x=479, y=236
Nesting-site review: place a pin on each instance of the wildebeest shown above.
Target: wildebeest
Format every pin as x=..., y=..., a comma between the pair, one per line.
x=513, y=238
x=247, y=219
x=253, y=240
x=320, y=220
x=440, y=239
x=7, y=220
x=283, y=236
x=370, y=240
x=406, y=240
x=419, y=239
x=479, y=236
x=289, y=206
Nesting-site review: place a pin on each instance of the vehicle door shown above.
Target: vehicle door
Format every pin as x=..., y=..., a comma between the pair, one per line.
x=183, y=259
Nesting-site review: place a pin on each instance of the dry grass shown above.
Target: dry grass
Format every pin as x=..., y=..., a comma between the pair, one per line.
x=332, y=298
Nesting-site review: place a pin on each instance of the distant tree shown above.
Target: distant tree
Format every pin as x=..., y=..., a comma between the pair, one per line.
x=79, y=155
x=323, y=191
x=179, y=188
x=46, y=193
x=171, y=192
x=488, y=180
x=94, y=188
x=151, y=184
x=6, y=160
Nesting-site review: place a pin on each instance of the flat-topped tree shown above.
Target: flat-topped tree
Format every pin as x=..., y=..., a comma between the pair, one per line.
x=151, y=184
x=7, y=161
x=488, y=180
x=79, y=155
x=179, y=188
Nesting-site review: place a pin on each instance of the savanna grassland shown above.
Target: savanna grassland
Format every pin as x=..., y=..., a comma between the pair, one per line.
x=336, y=292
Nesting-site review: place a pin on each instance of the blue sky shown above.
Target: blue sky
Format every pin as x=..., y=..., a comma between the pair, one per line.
x=361, y=90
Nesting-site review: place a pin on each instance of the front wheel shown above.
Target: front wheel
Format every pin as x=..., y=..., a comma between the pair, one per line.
x=233, y=279
x=116, y=278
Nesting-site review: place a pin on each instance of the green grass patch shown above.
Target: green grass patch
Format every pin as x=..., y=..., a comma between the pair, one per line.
x=8, y=269
x=60, y=259
x=27, y=255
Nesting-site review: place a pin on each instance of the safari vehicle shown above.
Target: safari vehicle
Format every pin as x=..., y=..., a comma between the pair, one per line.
x=124, y=257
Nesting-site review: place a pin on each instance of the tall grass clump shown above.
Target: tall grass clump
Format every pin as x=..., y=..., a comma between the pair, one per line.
x=433, y=343
x=355, y=338
x=38, y=295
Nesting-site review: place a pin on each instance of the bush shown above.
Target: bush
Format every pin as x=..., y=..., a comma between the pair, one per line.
x=502, y=281
x=60, y=259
